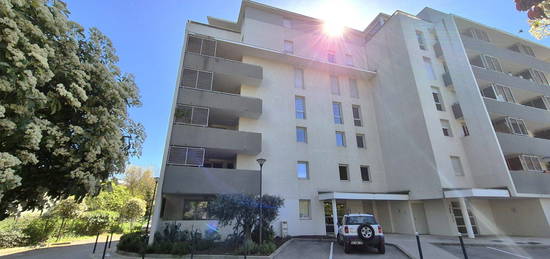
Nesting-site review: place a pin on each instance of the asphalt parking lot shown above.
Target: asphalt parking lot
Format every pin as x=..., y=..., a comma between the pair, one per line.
x=499, y=252
x=315, y=249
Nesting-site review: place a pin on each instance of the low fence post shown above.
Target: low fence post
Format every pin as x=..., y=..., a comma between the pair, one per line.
x=111, y=240
x=462, y=245
x=105, y=247
x=95, y=244
x=419, y=246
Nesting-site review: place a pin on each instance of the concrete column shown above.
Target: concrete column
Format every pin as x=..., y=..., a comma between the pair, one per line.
x=335, y=217
x=466, y=217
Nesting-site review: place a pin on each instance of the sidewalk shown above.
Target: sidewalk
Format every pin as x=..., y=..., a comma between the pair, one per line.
x=407, y=243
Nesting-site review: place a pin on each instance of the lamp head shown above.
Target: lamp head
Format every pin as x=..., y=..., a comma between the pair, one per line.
x=260, y=161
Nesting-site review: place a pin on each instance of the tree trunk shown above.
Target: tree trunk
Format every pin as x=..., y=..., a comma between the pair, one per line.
x=60, y=229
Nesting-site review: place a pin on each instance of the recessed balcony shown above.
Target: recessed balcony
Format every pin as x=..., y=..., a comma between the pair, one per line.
x=517, y=111
x=531, y=182
x=231, y=104
x=523, y=144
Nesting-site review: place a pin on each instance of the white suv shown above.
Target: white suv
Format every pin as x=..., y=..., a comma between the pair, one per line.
x=361, y=230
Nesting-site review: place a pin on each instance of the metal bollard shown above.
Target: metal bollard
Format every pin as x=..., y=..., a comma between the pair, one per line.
x=462, y=245
x=111, y=240
x=95, y=244
x=419, y=246
x=105, y=247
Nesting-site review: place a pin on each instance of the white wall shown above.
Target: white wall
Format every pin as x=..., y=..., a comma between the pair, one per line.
x=440, y=220
x=401, y=214
x=521, y=217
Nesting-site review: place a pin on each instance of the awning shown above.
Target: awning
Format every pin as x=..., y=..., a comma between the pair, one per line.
x=362, y=196
x=477, y=193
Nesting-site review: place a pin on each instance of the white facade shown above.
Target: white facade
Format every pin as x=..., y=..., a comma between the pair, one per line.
x=437, y=145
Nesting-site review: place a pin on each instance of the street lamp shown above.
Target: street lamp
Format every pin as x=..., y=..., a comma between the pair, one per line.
x=261, y=162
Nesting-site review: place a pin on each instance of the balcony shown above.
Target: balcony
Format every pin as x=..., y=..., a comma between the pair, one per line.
x=457, y=111
x=517, y=111
x=447, y=79
x=200, y=180
x=506, y=54
x=438, y=50
x=235, y=105
x=508, y=80
x=221, y=139
x=531, y=182
x=243, y=73
x=519, y=144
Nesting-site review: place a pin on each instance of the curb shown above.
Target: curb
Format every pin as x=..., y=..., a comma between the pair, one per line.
x=491, y=244
x=402, y=250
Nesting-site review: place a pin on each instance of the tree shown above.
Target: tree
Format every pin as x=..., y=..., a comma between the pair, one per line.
x=132, y=210
x=111, y=199
x=242, y=211
x=64, y=124
x=140, y=181
x=67, y=209
x=538, y=12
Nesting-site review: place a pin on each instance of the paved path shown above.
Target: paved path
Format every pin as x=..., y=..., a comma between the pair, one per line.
x=499, y=252
x=310, y=249
x=64, y=252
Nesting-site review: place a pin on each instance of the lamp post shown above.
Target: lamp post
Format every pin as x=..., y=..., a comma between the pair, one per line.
x=261, y=162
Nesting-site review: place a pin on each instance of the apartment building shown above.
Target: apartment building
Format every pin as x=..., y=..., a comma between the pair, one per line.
x=434, y=123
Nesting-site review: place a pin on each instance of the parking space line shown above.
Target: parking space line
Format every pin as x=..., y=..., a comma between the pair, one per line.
x=331, y=245
x=502, y=251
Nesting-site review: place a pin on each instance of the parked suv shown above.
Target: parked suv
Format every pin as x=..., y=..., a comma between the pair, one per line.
x=360, y=230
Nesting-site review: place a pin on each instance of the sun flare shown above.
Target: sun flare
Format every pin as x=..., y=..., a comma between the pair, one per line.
x=333, y=28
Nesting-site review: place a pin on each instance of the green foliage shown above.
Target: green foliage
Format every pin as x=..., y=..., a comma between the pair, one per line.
x=98, y=221
x=12, y=237
x=133, y=209
x=538, y=12
x=140, y=182
x=242, y=211
x=267, y=233
x=40, y=229
x=68, y=208
x=132, y=242
x=180, y=248
x=251, y=248
x=111, y=199
x=64, y=103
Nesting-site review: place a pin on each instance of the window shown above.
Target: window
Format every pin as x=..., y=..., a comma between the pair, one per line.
x=438, y=100
x=491, y=63
x=191, y=115
x=539, y=77
x=478, y=34
x=197, y=79
x=287, y=23
x=289, y=47
x=334, y=85
x=532, y=163
x=349, y=60
x=331, y=56
x=300, y=106
x=343, y=172
x=521, y=48
x=186, y=156
x=360, y=138
x=421, y=40
x=337, y=112
x=305, y=209
x=457, y=165
x=446, y=127
x=503, y=93
x=365, y=175
x=429, y=68
x=340, y=139
x=356, y=110
x=517, y=126
x=301, y=134
x=465, y=130
x=353, y=90
x=195, y=210
x=302, y=170
x=299, y=78
x=201, y=46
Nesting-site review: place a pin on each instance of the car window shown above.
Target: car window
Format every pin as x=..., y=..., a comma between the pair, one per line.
x=357, y=220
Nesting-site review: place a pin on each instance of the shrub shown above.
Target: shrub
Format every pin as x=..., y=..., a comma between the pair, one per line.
x=266, y=248
x=132, y=242
x=267, y=233
x=252, y=248
x=40, y=229
x=162, y=247
x=96, y=222
x=12, y=238
x=180, y=248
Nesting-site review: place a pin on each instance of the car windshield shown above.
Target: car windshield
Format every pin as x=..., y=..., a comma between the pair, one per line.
x=357, y=220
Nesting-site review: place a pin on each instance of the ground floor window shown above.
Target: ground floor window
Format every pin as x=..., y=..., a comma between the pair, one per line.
x=305, y=209
x=340, y=211
x=460, y=224
x=195, y=210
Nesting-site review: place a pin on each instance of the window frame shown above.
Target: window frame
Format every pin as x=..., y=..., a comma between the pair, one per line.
x=193, y=108
x=369, y=178
x=305, y=134
x=186, y=162
x=428, y=66
x=457, y=158
x=447, y=129
x=296, y=111
x=335, y=85
x=306, y=163
x=436, y=93
x=357, y=121
x=286, y=44
x=337, y=113
x=308, y=204
x=520, y=125
x=353, y=88
x=196, y=85
x=346, y=166
x=507, y=96
x=299, y=78
x=421, y=40
x=362, y=137
x=343, y=134
x=491, y=63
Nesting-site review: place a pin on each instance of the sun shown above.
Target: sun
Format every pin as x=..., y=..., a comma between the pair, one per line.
x=333, y=28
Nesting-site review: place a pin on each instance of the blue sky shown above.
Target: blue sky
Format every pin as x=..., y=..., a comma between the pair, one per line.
x=148, y=36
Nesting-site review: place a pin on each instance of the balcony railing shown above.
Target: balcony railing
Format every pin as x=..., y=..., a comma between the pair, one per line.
x=531, y=182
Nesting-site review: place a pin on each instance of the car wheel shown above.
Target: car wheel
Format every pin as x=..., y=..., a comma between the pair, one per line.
x=347, y=248
x=365, y=232
x=382, y=248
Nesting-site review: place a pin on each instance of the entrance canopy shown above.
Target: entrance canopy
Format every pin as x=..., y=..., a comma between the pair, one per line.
x=362, y=196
